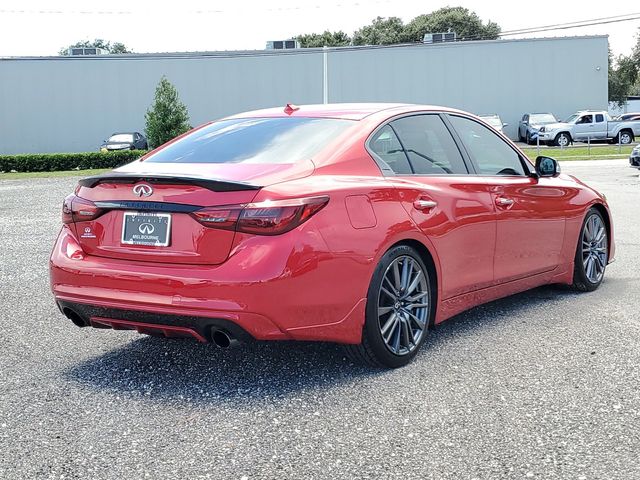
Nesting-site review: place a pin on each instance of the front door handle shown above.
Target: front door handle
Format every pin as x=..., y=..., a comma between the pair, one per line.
x=504, y=202
x=424, y=204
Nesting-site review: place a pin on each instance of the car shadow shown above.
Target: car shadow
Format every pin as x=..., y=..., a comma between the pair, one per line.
x=499, y=311
x=184, y=370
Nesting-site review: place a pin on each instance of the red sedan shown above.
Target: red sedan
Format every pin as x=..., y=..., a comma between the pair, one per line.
x=359, y=224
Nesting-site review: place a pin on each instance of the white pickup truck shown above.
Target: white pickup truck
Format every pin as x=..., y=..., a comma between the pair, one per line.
x=589, y=125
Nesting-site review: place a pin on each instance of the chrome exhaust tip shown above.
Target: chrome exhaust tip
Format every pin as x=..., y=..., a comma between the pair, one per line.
x=223, y=340
x=77, y=320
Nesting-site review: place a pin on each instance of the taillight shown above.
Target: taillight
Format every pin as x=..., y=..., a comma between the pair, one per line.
x=76, y=209
x=224, y=218
x=271, y=217
x=279, y=216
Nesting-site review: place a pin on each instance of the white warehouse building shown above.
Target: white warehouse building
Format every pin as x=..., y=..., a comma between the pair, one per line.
x=70, y=104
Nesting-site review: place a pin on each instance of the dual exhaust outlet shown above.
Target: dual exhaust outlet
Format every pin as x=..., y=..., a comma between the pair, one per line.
x=220, y=338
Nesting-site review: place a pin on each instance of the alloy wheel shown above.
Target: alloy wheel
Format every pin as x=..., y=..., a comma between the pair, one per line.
x=594, y=248
x=563, y=140
x=625, y=138
x=403, y=305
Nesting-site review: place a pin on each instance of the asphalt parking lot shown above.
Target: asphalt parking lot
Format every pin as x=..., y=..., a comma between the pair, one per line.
x=543, y=384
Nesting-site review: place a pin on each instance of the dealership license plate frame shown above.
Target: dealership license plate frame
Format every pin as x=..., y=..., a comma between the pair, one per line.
x=167, y=236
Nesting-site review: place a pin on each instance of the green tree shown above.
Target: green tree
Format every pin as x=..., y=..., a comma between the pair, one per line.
x=466, y=24
x=325, y=39
x=635, y=56
x=167, y=117
x=115, y=47
x=382, y=31
x=624, y=75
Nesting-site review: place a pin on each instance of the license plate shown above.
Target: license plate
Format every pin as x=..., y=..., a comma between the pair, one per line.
x=143, y=228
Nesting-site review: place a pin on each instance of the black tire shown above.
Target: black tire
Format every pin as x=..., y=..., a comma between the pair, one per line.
x=581, y=277
x=373, y=350
x=528, y=139
x=625, y=137
x=520, y=137
x=559, y=140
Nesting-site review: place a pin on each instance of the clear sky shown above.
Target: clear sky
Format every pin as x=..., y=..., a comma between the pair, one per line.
x=42, y=27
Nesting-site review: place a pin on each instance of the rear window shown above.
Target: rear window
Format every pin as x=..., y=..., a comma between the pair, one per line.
x=254, y=140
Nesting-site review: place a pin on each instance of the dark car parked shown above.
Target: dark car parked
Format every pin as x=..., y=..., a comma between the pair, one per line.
x=628, y=117
x=634, y=158
x=125, y=141
x=531, y=123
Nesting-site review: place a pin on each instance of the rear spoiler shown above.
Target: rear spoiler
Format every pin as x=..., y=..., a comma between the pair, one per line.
x=160, y=179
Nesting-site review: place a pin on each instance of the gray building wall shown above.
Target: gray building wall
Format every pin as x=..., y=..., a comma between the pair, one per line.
x=62, y=104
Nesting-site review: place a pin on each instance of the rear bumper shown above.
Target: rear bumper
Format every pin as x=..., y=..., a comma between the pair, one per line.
x=270, y=290
x=151, y=323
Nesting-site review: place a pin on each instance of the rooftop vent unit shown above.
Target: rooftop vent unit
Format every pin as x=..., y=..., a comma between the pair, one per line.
x=283, y=44
x=78, y=51
x=439, y=37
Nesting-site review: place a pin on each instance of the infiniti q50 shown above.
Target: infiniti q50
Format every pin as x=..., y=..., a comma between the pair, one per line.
x=362, y=224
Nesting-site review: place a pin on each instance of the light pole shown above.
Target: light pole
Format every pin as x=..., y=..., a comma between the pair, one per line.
x=325, y=75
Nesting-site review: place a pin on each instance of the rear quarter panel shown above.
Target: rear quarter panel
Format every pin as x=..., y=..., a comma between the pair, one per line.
x=339, y=268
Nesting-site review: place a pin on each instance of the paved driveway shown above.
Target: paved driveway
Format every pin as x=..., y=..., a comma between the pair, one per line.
x=540, y=385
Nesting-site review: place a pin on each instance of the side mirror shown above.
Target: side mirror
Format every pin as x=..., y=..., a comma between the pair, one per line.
x=547, y=167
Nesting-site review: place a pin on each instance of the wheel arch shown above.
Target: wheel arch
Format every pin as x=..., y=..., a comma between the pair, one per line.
x=566, y=132
x=607, y=222
x=429, y=261
x=629, y=131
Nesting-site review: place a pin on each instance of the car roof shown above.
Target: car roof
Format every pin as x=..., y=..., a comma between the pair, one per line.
x=348, y=111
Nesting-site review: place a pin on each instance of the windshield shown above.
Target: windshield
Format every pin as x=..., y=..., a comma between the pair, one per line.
x=121, y=137
x=572, y=118
x=542, y=118
x=254, y=140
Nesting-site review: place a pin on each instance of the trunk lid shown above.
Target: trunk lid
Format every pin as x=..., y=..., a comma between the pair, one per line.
x=138, y=202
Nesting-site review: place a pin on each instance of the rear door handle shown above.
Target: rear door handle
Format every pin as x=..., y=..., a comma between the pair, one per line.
x=504, y=202
x=424, y=204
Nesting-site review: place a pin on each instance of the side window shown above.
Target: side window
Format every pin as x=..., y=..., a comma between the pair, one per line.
x=491, y=154
x=586, y=119
x=387, y=148
x=599, y=117
x=429, y=145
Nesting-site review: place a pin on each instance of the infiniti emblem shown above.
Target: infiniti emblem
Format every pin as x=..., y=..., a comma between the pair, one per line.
x=146, y=229
x=143, y=190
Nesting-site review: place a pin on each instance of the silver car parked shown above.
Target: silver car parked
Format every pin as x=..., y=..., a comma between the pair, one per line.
x=530, y=125
x=495, y=121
